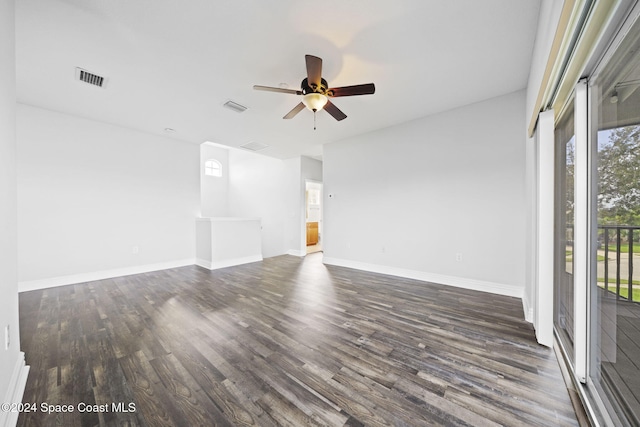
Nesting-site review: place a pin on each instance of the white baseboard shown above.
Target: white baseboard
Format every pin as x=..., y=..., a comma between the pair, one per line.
x=15, y=391
x=528, y=309
x=296, y=252
x=460, y=282
x=52, y=282
x=214, y=265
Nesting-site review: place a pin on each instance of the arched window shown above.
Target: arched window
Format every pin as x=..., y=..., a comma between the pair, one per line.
x=212, y=167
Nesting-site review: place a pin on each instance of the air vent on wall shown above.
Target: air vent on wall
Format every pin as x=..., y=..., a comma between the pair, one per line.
x=254, y=146
x=90, y=78
x=234, y=106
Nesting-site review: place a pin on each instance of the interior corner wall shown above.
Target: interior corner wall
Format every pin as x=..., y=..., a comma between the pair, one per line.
x=9, y=358
x=294, y=213
x=440, y=198
x=100, y=200
x=310, y=170
x=214, y=190
x=298, y=170
x=258, y=188
x=531, y=239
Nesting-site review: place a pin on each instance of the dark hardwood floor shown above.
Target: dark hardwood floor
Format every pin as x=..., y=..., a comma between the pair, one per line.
x=287, y=341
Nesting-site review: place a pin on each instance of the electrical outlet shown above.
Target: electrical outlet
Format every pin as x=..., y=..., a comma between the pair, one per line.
x=7, y=337
x=458, y=257
x=135, y=250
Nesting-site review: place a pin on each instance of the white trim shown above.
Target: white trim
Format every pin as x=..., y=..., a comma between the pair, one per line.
x=527, y=308
x=581, y=232
x=617, y=38
x=459, y=282
x=52, y=282
x=543, y=296
x=531, y=272
x=557, y=52
x=214, y=265
x=15, y=391
x=597, y=17
x=296, y=252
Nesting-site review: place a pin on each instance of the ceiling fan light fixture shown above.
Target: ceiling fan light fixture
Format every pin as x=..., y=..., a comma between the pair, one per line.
x=315, y=101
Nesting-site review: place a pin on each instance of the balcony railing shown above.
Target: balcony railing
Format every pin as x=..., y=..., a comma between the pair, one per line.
x=616, y=245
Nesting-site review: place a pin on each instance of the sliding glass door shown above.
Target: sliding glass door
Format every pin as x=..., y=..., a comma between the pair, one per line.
x=614, y=351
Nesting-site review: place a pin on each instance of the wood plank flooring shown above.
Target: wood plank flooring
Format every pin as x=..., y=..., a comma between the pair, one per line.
x=284, y=342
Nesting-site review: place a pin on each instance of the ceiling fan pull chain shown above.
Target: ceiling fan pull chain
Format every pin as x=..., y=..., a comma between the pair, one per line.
x=314, y=119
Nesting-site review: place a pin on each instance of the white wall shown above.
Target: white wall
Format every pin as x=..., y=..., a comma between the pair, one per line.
x=258, y=188
x=406, y=200
x=12, y=369
x=214, y=190
x=311, y=169
x=294, y=207
x=88, y=192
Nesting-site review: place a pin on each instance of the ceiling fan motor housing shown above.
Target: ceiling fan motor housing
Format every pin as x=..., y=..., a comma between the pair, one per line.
x=307, y=88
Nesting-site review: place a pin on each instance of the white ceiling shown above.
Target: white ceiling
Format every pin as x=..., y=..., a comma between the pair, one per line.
x=172, y=64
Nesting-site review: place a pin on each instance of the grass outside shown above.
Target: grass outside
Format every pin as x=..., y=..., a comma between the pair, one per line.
x=624, y=288
x=625, y=248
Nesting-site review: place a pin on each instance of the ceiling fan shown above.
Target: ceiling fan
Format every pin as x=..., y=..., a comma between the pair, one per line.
x=316, y=91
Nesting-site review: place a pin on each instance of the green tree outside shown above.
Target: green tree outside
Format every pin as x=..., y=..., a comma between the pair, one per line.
x=619, y=177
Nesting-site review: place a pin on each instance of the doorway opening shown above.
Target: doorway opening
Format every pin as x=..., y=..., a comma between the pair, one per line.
x=313, y=216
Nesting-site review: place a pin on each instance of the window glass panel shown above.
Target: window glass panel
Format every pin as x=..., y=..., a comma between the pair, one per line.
x=564, y=200
x=212, y=168
x=615, y=252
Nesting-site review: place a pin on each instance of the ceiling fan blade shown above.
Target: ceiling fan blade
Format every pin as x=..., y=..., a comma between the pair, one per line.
x=334, y=111
x=291, y=114
x=314, y=70
x=365, y=89
x=277, y=89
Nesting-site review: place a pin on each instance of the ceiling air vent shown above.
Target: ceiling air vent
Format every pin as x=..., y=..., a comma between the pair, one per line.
x=234, y=106
x=90, y=78
x=254, y=146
